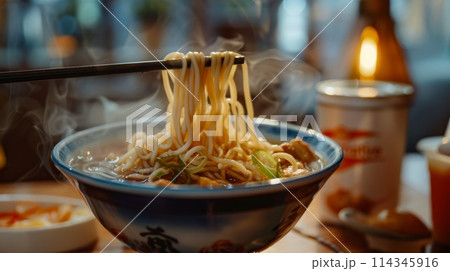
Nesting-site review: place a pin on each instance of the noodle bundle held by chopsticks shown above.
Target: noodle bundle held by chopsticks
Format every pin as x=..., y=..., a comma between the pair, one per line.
x=209, y=137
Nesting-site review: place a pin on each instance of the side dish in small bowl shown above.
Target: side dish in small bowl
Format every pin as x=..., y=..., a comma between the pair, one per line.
x=41, y=223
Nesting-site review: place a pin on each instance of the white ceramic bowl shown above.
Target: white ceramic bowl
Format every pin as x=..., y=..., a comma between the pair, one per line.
x=59, y=237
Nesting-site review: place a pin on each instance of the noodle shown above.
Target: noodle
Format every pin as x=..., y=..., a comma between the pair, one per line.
x=205, y=100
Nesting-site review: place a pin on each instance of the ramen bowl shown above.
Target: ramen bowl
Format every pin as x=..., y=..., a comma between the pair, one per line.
x=189, y=218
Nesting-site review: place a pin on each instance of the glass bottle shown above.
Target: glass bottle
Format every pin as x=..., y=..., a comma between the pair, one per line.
x=378, y=54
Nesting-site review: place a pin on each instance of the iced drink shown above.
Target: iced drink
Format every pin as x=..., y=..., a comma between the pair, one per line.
x=439, y=168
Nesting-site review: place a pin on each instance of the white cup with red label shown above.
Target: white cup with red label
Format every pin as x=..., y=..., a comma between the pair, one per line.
x=369, y=120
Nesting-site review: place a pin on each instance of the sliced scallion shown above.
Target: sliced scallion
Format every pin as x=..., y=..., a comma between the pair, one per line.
x=267, y=164
x=196, y=169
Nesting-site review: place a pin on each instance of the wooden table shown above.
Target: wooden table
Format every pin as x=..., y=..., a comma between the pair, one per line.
x=413, y=198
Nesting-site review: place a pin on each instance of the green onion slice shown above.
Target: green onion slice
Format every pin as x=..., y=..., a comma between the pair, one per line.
x=159, y=173
x=267, y=164
x=176, y=166
x=279, y=172
x=196, y=169
x=172, y=161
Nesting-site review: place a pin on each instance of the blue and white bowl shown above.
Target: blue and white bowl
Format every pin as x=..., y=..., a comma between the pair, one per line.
x=244, y=218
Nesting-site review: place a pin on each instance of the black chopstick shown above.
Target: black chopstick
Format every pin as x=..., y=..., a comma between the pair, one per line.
x=96, y=70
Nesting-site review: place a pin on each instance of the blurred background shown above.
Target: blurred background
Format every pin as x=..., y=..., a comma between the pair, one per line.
x=413, y=38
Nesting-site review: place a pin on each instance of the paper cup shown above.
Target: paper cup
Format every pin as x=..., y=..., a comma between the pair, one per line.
x=369, y=121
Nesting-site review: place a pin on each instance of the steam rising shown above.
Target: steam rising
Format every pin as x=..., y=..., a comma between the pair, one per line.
x=290, y=92
x=57, y=119
x=65, y=106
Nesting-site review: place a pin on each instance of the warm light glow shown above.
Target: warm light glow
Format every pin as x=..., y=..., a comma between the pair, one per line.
x=368, y=54
x=367, y=92
x=62, y=46
x=2, y=158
